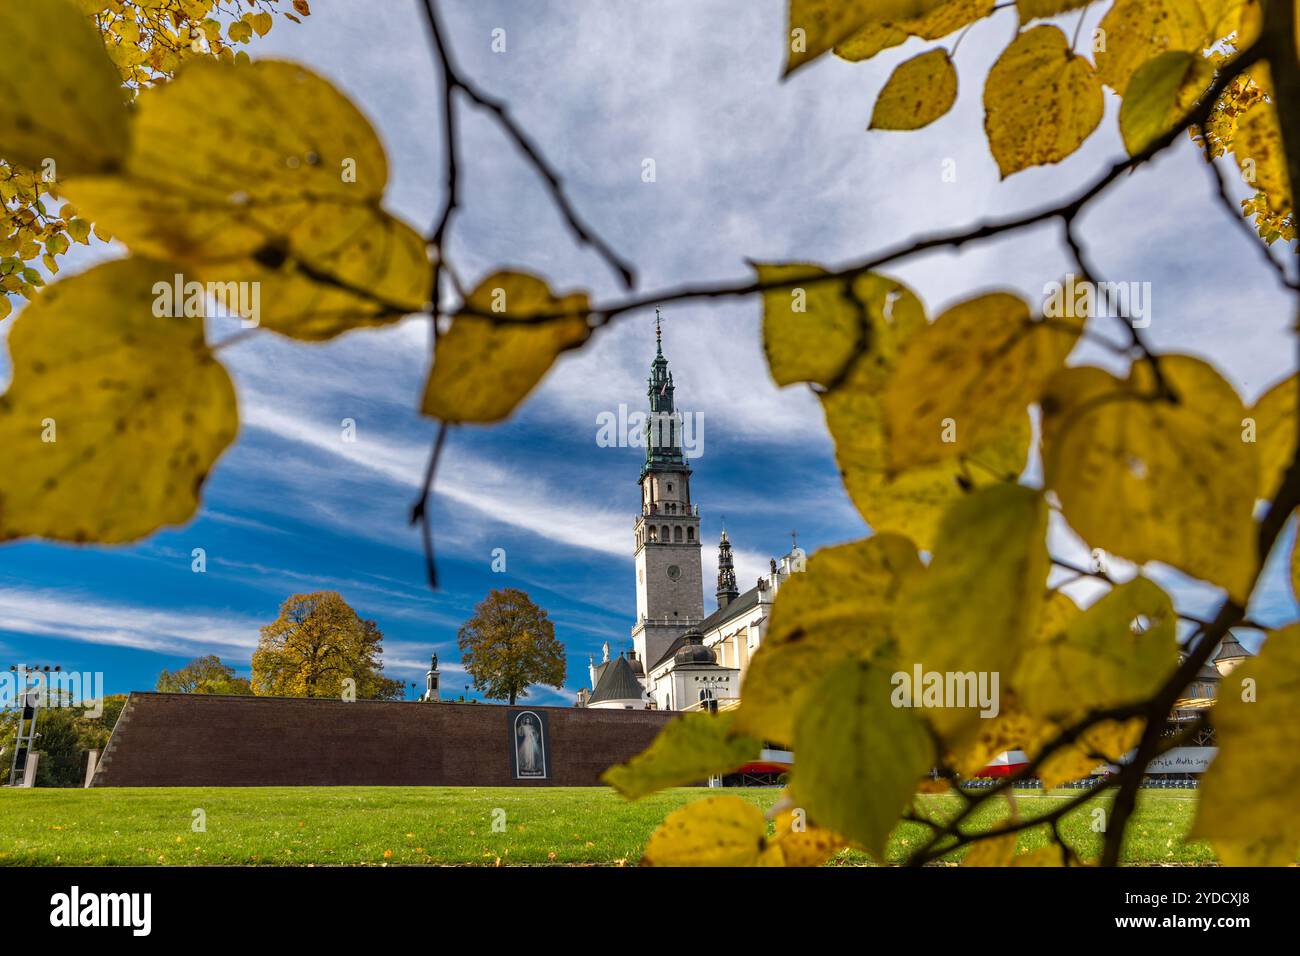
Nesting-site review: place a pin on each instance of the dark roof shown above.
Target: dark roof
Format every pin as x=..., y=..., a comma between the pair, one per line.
x=617, y=682
x=740, y=605
x=672, y=649
x=693, y=650
x=1231, y=650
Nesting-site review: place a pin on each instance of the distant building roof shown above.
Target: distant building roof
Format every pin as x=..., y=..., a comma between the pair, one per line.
x=746, y=602
x=617, y=681
x=736, y=608
x=692, y=650
x=1231, y=650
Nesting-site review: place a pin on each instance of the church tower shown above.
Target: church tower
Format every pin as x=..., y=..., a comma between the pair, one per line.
x=669, y=581
x=727, y=590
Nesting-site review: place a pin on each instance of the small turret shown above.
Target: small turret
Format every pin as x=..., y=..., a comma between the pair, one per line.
x=727, y=590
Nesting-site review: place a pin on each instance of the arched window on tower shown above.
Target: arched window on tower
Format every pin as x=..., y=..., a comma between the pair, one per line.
x=677, y=533
x=665, y=535
x=653, y=536
x=690, y=534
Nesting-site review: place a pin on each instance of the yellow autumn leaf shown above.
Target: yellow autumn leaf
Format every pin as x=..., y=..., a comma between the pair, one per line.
x=114, y=415
x=687, y=751
x=992, y=851
x=1248, y=806
x=979, y=366
x=1015, y=729
x=815, y=26
x=910, y=503
x=1261, y=157
x=918, y=92
x=1295, y=567
x=859, y=756
x=841, y=606
x=344, y=268
x=813, y=330
x=948, y=17
x=1150, y=479
x=996, y=850
x=1135, y=31
x=62, y=105
x=968, y=614
x=218, y=180
x=1160, y=93
x=1103, y=743
x=715, y=831
x=804, y=844
x=975, y=746
x=1041, y=101
x=1041, y=9
x=1119, y=651
x=1043, y=856
x=483, y=368
x=1274, y=417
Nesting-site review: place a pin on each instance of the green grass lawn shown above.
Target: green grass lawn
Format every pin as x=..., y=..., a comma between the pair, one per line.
x=444, y=825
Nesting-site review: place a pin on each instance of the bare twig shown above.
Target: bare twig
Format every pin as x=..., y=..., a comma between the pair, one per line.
x=455, y=80
x=1082, y=572
x=1088, y=271
x=603, y=314
x=421, y=513
x=1277, y=44
x=1155, y=711
x=1220, y=182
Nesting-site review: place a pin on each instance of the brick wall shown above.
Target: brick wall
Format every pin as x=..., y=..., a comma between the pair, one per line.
x=190, y=740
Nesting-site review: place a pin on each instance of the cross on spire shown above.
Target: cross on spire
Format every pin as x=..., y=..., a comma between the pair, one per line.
x=794, y=541
x=659, y=335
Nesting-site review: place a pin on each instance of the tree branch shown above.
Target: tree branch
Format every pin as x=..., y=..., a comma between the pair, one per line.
x=600, y=315
x=453, y=80
x=421, y=513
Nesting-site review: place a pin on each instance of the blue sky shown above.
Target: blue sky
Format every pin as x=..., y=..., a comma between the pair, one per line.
x=748, y=168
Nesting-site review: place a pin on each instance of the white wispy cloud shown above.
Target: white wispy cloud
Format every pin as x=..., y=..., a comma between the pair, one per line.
x=67, y=613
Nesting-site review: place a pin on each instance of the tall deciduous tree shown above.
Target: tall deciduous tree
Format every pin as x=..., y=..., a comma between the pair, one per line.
x=203, y=675
x=509, y=644
x=318, y=644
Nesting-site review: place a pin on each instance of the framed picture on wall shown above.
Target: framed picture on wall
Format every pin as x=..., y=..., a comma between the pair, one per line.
x=530, y=744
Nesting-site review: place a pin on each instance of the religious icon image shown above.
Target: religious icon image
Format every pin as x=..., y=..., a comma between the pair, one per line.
x=529, y=745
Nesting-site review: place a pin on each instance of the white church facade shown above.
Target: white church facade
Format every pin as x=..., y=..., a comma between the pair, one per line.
x=681, y=657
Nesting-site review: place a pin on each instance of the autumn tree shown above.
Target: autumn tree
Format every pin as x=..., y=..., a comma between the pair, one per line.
x=932, y=416
x=203, y=675
x=509, y=645
x=146, y=41
x=319, y=647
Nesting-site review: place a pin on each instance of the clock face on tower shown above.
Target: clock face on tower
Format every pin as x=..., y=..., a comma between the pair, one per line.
x=674, y=572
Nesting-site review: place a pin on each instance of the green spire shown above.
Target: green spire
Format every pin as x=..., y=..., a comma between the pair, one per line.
x=663, y=427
